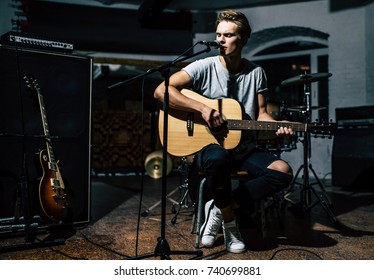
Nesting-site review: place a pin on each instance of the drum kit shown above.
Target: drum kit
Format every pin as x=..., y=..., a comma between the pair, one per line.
x=270, y=142
x=307, y=190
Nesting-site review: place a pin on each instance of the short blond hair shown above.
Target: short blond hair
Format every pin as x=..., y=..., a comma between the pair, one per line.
x=239, y=19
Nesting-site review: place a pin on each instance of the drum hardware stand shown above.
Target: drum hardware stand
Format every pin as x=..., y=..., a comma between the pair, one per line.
x=162, y=248
x=307, y=190
x=168, y=196
x=183, y=202
x=183, y=199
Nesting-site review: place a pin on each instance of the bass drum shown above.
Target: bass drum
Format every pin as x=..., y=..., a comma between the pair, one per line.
x=268, y=140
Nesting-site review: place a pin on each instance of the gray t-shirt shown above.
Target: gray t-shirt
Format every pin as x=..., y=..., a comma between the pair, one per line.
x=212, y=80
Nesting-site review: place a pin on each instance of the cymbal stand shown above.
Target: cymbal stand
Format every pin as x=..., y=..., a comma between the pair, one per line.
x=307, y=190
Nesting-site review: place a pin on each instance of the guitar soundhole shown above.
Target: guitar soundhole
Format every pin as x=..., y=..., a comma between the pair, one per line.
x=45, y=158
x=223, y=129
x=220, y=133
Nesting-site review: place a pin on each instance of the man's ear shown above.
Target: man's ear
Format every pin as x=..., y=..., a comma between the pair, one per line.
x=244, y=41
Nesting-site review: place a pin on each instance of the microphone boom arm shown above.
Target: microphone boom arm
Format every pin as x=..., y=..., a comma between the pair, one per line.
x=160, y=68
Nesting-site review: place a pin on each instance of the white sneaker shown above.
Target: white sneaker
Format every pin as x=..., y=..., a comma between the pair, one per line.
x=212, y=224
x=233, y=240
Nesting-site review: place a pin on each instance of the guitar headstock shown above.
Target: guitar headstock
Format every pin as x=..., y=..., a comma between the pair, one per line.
x=322, y=129
x=31, y=83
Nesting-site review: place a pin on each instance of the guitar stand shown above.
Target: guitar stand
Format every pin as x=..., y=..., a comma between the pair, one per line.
x=12, y=226
x=27, y=223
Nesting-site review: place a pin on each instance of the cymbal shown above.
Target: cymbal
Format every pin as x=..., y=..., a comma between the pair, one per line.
x=153, y=164
x=306, y=78
x=303, y=108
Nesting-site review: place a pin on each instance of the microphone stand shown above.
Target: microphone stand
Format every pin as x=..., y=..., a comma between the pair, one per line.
x=162, y=249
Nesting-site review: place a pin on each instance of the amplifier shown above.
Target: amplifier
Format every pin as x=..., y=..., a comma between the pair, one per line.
x=65, y=81
x=34, y=41
x=355, y=117
x=353, y=153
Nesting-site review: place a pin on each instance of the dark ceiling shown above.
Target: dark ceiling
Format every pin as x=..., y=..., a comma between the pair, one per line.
x=129, y=26
x=135, y=26
x=156, y=6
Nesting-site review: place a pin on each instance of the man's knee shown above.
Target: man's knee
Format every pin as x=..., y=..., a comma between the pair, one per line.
x=281, y=166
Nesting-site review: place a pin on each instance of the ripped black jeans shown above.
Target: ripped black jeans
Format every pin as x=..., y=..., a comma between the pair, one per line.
x=218, y=164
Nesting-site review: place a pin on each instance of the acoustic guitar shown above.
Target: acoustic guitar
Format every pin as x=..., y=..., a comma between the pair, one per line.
x=188, y=132
x=51, y=192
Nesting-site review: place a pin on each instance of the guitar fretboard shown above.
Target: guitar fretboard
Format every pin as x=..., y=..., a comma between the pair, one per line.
x=264, y=125
x=52, y=164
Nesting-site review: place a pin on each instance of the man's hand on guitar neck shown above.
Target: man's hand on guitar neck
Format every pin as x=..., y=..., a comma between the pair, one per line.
x=284, y=130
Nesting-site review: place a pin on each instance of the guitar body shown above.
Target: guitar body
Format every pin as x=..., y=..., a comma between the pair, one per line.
x=51, y=192
x=181, y=142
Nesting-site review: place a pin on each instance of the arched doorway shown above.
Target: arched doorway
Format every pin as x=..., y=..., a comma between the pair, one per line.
x=287, y=52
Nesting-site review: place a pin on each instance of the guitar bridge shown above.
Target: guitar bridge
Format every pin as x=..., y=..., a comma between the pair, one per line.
x=190, y=124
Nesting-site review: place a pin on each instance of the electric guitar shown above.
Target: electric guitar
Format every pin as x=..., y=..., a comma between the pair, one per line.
x=188, y=132
x=51, y=192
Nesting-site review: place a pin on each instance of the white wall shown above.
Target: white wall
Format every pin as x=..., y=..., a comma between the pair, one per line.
x=369, y=39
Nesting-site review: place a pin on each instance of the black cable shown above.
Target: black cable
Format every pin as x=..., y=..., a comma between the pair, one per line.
x=211, y=256
x=295, y=249
x=142, y=172
x=90, y=241
x=103, y=247
x=60, y=252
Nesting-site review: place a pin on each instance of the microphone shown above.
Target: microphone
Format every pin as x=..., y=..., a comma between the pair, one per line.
x=215, y=44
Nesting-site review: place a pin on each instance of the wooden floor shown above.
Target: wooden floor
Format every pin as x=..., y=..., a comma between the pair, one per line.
x=127, y=223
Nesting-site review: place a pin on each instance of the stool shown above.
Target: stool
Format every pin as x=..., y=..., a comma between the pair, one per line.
x=260, y=208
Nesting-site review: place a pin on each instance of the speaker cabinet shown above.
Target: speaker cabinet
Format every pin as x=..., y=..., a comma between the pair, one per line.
x=65, y=81
x=353, y=157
